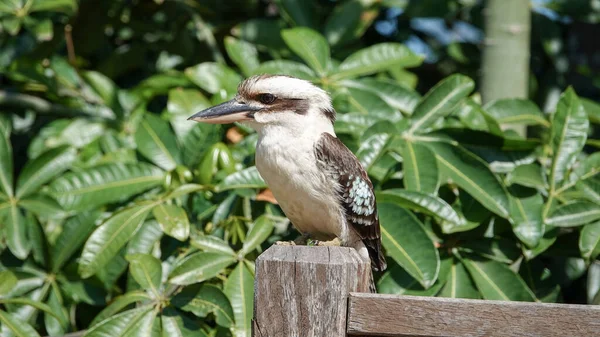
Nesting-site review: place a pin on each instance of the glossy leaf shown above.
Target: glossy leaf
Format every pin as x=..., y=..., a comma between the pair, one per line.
x=146, y=270
x=261, y=229
x=406, y=241
x=43, y=169
x=344, y=24
x=440, y=101
x=368, y=103
x=375, y=58
x=90, y=188
x=286, y=67
x=214, y=77
x=108, y=239
x=16, y=227
x=199, y=267
x=174, y=323
x=119, y=303
x=42, y=205
x=526, y=219
x=211, y=243
x=310, y=46
x=397, y=281
x=16, y=326
x=529, y=175
x=155, y=141
x=64, y=6
x=75, y=231
x=569, y=132
x=173, y=220
x=516, y=111
x=589, y=241
x=420, y=168
x=243, y=54
x=574, y=214
x=496, y=281
x=119, y=325
x=246, y=178
x=459, y=283
x=6, y=165
x=205, y=299
x=394, y=94
x=422, y=202
x=7, y=281
x=473, y=175
x=239, y=288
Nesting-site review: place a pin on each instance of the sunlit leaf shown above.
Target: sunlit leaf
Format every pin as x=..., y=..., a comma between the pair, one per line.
x=589, y=241
x=43, y=169
x=242, y=53
x=205, y=299
x=155, y=140
x=310, y=46
x=526, y=219
x=407, y=243
x=516, y=111
x=121, y=324
x=496, y=281
x=420, y=168
x=239, y=288
x=199, y=267
x=16, y=326
x=574, y=214
x=259, y=232
x=6, y=165
x=246, y=178
x=459, y=283
x=376, y=58
x=173, y=220
x=146, y=270
x=119, y=303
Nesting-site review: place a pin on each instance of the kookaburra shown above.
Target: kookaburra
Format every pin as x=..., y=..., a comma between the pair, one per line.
x=318, y=182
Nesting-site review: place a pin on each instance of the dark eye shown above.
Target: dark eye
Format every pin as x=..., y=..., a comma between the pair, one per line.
x=266, y=98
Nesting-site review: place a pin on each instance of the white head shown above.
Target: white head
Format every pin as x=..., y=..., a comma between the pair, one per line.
x=274, y=100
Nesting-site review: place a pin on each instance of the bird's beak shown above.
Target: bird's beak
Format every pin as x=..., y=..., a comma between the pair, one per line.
x=228, y=112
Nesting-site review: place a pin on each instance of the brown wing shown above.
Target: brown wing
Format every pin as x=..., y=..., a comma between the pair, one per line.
x=355, y=193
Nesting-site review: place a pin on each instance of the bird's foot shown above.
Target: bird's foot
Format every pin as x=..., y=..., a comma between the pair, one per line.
x=285, y=243
x=332, y=243
x=303, y=240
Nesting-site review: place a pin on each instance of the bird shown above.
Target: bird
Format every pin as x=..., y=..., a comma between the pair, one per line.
x=318, y=182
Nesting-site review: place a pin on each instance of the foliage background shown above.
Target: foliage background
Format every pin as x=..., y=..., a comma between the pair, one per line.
x=119, y=216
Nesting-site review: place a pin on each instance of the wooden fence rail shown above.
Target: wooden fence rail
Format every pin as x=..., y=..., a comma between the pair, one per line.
x=322, y=292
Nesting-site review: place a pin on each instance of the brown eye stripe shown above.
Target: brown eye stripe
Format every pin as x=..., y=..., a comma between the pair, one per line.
x=299, y=106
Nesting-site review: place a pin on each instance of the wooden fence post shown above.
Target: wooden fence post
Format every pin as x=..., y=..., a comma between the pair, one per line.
x=302, y=291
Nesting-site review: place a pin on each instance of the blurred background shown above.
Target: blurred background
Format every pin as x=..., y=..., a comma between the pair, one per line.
x=103, y=180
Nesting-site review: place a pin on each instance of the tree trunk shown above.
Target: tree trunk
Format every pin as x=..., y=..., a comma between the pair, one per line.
x=505, y=67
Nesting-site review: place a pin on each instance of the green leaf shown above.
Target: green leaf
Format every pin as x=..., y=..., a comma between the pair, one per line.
x=119, y=303
x=155, y=141
x=42, y=205
x=420, y=168
x=589, y=241
x=344, y=23
x=300, y=13
x=182, y=103
x=145, y=239
x=174, y=323
x=459, y=283
x=16, y=228
x=6, y=165
x=497, y=281
x=199, y=267
x=473, y=175
x=394, y=94
x=184, y=190
x=43, y=30
x=214, y=77
x=121, y=324
x=243, y=54
x=574, y=214
x=211, y=243
x=516, y=111
x=592, y=109
x=498, y=249
x=146, y=270
x=7, y=281
x=372, y=105
x=43, y=169
x=56, y=304
x=397, y=281
x=173, y=220
x=440, y=101
x=246, y=178
x=529, y=175
x=259, y=232
x=239, y=288
x=196, y=143
x=406, y=241
x=74, y=233
x=377, y=58
x=286, y=67
x=108, y=239
x=310, y=46
x=16, y=326
x=63, y=6
x=101, y=185
x=204, y=299
x=421, y=202
x=526, y=219
x=569, y=132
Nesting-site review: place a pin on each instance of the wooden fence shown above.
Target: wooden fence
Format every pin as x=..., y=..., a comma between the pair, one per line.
x=321, y=292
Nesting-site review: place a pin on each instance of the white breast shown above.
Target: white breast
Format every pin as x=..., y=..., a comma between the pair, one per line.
x=308, y=197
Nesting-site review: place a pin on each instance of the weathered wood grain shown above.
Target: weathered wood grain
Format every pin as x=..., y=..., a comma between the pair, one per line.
x=303, y=291
x=389, y=315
